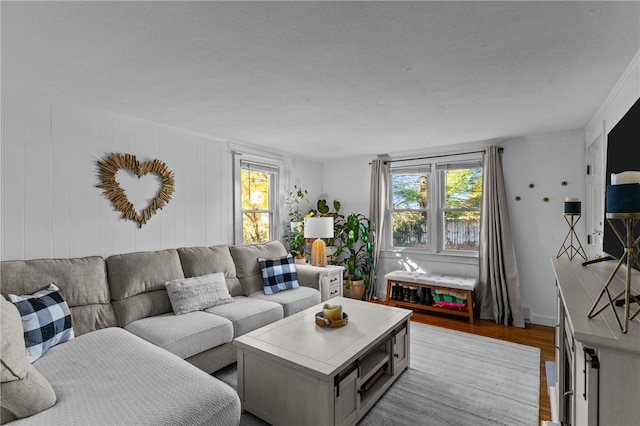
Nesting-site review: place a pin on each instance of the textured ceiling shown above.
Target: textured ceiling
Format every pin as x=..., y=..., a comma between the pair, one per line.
x=328, y=79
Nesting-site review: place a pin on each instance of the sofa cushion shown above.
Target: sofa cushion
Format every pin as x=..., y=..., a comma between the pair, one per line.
x=184, y=335
x=137, y=283
x=198, y=293
x=198, y=261
x=292, y=301
x=46, y=320
x=83, y=282
x=248, y=270
x=249, y=313
x=125, y=380
x=24, y=390
x=279, y=274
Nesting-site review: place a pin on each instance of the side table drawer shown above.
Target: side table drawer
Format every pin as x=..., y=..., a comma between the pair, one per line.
x=335, y=283
x=334, y=290
x=331, y=282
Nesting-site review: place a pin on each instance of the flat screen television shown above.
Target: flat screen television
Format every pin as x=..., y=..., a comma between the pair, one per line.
x=623, y=154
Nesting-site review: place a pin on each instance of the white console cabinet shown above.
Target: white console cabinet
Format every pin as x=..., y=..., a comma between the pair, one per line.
x=597, y=366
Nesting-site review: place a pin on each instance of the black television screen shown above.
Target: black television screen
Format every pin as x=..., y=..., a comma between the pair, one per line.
x=623, y=154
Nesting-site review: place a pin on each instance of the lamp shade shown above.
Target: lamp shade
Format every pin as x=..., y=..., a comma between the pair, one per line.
x=318, y=227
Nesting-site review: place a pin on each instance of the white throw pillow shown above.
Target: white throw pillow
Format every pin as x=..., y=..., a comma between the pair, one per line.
x=198, y=293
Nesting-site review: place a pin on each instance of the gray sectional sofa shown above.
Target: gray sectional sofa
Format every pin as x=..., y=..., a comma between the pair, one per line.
x=126, y=364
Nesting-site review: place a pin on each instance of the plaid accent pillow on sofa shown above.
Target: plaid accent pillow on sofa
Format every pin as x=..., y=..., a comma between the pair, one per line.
x=46, y=320
x=278, y=274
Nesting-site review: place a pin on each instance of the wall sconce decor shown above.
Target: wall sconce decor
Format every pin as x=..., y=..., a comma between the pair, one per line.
x=109, y=166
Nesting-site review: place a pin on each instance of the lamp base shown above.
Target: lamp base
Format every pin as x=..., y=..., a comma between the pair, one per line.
x=319, y=253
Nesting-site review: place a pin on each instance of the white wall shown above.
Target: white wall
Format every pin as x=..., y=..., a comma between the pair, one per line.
x=50, y=206
x=539, y=227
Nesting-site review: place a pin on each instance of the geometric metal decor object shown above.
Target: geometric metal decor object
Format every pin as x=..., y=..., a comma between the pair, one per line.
x=572, y=211
x=630, y=257
x=109, y=167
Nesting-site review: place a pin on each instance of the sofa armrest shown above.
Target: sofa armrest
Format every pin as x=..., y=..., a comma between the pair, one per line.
x=310, y=276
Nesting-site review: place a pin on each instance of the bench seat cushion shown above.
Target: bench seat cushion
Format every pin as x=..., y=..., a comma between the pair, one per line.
x=184, y=335
x=448, y=281
x=248, y=313
x=124, y=380
x=292, y=300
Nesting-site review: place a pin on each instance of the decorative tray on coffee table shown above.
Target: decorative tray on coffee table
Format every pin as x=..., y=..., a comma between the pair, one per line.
x=324, y=322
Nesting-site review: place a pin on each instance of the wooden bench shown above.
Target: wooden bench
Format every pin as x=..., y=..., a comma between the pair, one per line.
x=424, y=280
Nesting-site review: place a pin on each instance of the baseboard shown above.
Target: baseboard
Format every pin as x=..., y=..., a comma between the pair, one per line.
x=541, y=320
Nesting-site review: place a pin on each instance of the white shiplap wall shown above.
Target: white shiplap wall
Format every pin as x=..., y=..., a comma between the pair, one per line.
x=52, y=208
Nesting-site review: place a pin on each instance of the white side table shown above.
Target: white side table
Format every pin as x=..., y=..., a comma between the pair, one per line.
x=332, y=285
x=330, y=279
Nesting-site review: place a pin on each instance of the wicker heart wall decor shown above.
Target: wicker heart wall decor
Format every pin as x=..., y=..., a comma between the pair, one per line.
x=109, y=166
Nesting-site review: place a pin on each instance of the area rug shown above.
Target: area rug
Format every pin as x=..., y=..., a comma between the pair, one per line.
x=454, y=378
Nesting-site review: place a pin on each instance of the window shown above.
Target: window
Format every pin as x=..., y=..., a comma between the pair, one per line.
x=410, y=207
x=461, y=189
x=435, y=204
x=255, y=195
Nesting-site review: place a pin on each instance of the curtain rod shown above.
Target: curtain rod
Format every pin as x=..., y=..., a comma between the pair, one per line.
x=438, y=156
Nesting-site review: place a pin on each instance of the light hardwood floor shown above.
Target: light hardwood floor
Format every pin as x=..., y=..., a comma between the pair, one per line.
x=532, y=335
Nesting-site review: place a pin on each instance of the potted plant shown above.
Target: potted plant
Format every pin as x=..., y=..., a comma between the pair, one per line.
x=294, y=201
x=297, y=245
x=355, y=252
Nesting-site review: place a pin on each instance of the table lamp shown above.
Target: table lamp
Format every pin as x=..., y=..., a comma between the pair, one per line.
x=318, y=227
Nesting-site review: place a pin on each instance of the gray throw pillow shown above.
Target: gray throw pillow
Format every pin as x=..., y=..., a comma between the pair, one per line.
x=198, y=293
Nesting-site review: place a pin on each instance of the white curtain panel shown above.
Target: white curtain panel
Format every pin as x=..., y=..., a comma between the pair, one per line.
x=377, y=210
x=499, y=292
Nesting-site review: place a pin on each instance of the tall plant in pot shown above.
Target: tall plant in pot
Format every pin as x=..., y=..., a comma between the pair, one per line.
x=355, y=253
x=295, y=202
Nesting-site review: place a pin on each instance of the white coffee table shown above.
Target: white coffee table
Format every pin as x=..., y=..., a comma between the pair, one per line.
x=293, y=372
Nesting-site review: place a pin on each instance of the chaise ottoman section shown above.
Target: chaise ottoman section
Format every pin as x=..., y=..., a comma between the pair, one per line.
x=247, y=313
x=184, y=335
x=111, y=377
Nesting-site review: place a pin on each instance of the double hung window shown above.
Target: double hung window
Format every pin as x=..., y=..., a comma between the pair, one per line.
x=435, y=204
x=255, y=200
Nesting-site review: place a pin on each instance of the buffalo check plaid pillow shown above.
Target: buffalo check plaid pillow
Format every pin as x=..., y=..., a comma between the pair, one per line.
x=278, y=274
x=46, y=320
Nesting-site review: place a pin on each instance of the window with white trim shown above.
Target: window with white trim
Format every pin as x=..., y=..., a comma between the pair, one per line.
x=435, y=204
x=255, y=195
